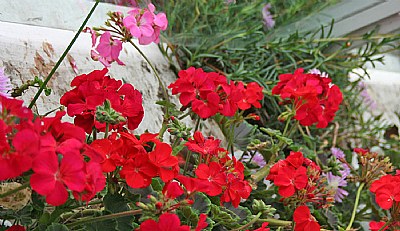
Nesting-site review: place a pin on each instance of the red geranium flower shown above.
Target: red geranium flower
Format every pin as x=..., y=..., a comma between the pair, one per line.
x=201, y=145
x=162, y=157
x=201, y=224
x=139, y=171
x=172, y=190
x=304, y=221
x=16, y=228
x=314, y=97
x=289, y=179
x=212, y=175
x=166, y=222
x=263, y=227
x=50, y=178
x=251, y=96
x=375, y=225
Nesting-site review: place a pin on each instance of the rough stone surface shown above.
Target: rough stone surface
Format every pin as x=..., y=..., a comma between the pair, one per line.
x=32, y=50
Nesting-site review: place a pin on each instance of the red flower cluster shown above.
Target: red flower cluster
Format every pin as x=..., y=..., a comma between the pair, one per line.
x=92, y=90
x=170, y=221
x=314, y=97
x=54, y=150
x=376, y=226
x=387, y=191
x=204, y=146
x=304, y=220
x=139, y=164
x=219, y=175
x=299, y=181
x=210, y=93
x=290, y=174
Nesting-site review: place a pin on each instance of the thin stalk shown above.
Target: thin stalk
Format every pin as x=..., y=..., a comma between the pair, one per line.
x=384, y=226
x=188, y=155
x=197, y=124
x=106, y=132
x=254, y=220
x=35, y=98
x=8, y=193
x=103, y=218
x=353, y=215
x=275, y=222
x=165, y=92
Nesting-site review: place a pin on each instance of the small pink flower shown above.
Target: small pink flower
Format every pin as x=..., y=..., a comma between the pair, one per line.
x=139, y=24
x=107, y=49
x=145, y=25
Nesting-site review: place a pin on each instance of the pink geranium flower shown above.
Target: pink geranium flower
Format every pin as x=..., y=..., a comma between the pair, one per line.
x=145, y=25
x=107, y=49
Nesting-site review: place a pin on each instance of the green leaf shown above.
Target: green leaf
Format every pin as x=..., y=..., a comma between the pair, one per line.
x=243, y=213
x=188, y=215
x=284, y=139
x=224, y=217
x=271, y=132
x=202, y=203
x=57, y=227
x=116, y=203
x=106, y=225
x=156, y=184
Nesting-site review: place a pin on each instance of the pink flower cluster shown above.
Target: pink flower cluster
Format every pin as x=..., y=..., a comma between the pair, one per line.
x=145, y=25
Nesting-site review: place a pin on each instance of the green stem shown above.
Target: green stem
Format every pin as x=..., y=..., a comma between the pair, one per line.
x=188, y=155
x=286, y=126
x=276, y=222
x=8, y=193
x=197, y=123
x=106, y=132
x=165, y=92
x=254, y=220
x=263, y=172
x=42, y=87
x=103, y=218
x=384, y=226
x=162, y=130
x=353, y=215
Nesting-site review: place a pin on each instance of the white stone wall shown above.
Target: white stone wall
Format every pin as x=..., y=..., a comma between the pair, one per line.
x=34, y=34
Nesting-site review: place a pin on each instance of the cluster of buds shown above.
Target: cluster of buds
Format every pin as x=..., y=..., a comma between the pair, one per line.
x=260, y=207
x=165, y=202
x=106, y=114
x=178, y=129
x=372, y=165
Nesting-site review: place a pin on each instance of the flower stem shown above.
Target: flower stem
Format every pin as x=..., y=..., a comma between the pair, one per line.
x=165, y=92
x=35, y=98
x=385, y=225
x=103, y=218
x=197, y=124
x=107, y=129
x=8, y=193
x=276, y=222
x=254, y=220
x=353, y=215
